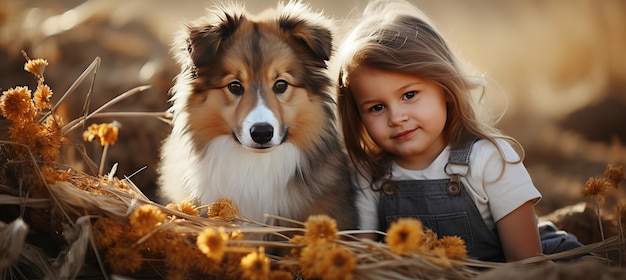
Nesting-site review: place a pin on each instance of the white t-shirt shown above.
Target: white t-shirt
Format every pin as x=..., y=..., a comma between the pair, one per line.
x=495, y=191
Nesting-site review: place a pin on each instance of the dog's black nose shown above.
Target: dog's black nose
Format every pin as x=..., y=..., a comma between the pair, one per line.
x=261, y=133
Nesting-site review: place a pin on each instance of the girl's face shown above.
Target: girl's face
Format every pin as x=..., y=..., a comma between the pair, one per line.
x=405, y=115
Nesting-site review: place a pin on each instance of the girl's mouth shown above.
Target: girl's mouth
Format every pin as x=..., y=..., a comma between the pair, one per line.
x=404, y=134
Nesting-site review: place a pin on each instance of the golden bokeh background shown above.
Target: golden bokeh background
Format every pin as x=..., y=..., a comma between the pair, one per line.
x=560, y=66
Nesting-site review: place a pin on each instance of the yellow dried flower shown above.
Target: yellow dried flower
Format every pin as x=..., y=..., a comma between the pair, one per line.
x=106, y=133
x=406, y=235
x=312, y=257
x=42, y=97
x=36, y=66
x=223, y=209
x=145, y=218
x=595, y=188
x=614, y=174
x=16, y=104
x=212, y=243
x=338, y=263
x=124, y=259
x=320, y=227
x=184, y=207
x=453, y=246
x=106, y=232
x=255, y=265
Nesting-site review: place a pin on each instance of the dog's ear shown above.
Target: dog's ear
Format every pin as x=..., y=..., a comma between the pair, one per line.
x=204, y=40
x=310, y=28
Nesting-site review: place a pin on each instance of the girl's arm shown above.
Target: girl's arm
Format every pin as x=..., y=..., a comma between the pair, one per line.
x=519, y=234
x=367, y=205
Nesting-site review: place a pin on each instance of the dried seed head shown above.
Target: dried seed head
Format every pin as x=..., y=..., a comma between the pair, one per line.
x=405, y=236
x=256, y=265
x=338, y=263
x=42, y=97
x=36, y=67
x=106, y=133
x=212, y=243
x=16, y=104
x=595, y=188
x=223, y=209
x=145, y=218
x=320, y=227
x=614, y=174
x=453, y=246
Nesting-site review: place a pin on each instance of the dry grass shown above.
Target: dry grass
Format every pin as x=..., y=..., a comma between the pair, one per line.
x=62, y=223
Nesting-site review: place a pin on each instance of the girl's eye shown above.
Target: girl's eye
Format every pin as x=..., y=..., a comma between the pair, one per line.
x=236, y=88
x=409, y=95
x=280, y=86
x=376, y=108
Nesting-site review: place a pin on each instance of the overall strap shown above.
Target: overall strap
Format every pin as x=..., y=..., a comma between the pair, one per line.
x=460, y=155
x=458, y=165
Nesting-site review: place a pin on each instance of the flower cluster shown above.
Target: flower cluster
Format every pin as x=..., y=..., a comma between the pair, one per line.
x=22, y=107
x=144, y=236
x=320, y=254
x=595, y=187
x=407, y=235
x=223, y=209
x=106, y=133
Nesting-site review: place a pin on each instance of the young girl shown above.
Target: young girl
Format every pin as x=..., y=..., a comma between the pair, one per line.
x=410, y=125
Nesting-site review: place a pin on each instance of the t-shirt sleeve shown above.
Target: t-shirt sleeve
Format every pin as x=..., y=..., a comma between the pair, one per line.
x=367, y=204
x=507, y=185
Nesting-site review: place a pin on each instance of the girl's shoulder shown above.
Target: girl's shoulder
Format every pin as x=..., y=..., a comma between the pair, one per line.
x=484, y=148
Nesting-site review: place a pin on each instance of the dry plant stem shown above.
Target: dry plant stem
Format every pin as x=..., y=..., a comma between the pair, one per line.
x=283, y=219
x=163, y=116
x=600, y=223
x=599, y=218
x=102, y=159
x=93, y=66
x=80, y=121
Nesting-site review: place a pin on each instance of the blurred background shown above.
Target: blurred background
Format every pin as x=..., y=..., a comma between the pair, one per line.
x=560, y=65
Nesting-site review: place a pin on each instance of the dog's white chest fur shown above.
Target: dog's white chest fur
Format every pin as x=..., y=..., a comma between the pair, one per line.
x=256, y=182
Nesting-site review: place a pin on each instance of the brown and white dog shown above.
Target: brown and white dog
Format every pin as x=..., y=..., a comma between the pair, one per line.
x=254, y=118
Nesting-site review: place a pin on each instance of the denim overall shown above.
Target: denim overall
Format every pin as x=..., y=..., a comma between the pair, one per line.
x=446, y=207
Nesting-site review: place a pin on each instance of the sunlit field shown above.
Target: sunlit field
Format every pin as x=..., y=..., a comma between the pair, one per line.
x=556, y=75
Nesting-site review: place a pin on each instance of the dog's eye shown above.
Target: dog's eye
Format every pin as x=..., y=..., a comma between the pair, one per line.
x=236, y=88
x=280, y=86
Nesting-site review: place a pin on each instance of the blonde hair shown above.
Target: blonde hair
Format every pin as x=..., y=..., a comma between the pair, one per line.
x=395, y=36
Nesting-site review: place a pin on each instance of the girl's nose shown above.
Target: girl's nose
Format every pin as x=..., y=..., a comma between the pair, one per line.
x=397, y=117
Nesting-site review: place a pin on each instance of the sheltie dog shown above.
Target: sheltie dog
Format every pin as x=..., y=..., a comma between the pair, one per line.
x=254, y=117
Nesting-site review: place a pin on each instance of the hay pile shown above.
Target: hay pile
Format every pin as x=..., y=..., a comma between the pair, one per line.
x=58, y=222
